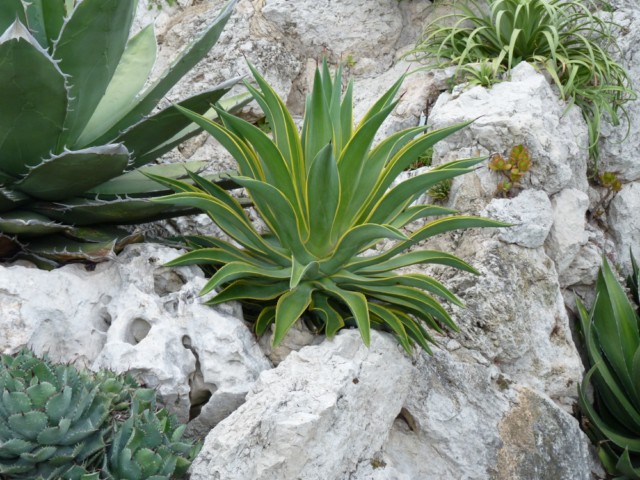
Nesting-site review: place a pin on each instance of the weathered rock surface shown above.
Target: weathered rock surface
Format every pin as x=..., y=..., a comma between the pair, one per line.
x=568, y=233
x=524, y=110
x=463, y=419
x=624, y=222
x=134, y=315
x=515, y=316
x=620, y=144
x=316, y=416
x=530, y=214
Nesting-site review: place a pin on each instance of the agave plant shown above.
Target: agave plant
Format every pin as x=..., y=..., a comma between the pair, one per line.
x=53, y=419
x=612, y=335
x=326, y=197
x=76, y=122
x=564, y=38
x=148, y=445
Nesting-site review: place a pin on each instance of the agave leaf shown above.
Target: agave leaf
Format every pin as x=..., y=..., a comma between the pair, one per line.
x=40, y=393
x=137, y=182
x=216, y=256
x=15, y=446
x=322, y=307
x=279, y=215
x=383, y=263
x=128, y=80
x=299, y=270
x=357, y=304
x=63, y=249
x=396, y=325
x=411, y=214
x=89, y=49
x=421, y=300
x=355, y=241
x=74, y=172
x=626, y=467
x=45, y=19
x=391, y=204
x=33, y=93
x=404, y=157
x=616, y=326
x=285, y=132
x=40, y=455
x=234, y=270
x=352, y=165
x=609, y=387
x=234, y=224
x=232, y=104
x=289, y=308
x=83, y=211
x=273, y=164
x=28, y=424
x=248, y=163
x=267, y=317
x=187, y=59
x=244, y=290
x=323, y=198
x=622, y=441
x=11, y=199
x=416, y=280
x=148, y=133
x=27, y=223
x=10, y=11
x=317, y=131
x=54, y=435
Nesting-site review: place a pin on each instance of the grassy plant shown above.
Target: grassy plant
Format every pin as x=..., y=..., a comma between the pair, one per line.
x=485, y=73
x=611, y=332
x=326, y=196
x=564, y=38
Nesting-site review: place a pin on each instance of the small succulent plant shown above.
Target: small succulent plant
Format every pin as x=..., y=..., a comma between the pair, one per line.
x=148, y=445
x=512, y=168
x=52, y=418
x=57, y=422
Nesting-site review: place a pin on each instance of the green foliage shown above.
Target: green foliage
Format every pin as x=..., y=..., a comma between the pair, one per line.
x=562, y=37
x=612, y=336
x=485, y=73
x=440, y=191
x=512, y=169
x=148, y=445
x=77, y=122
x=326, y=197
x=57, y=422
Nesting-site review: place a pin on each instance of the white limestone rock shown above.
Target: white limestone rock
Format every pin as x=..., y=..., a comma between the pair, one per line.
x=530, y=213
x=466, y=420
x=619, y=145
x=515, y=316
x=624, y=223
x=317, y=415
x=135, y=315
x=568, y=234
x=524, y=110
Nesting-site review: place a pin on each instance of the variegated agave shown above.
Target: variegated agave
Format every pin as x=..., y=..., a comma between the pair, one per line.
x=326, y=196
x=75, y=122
